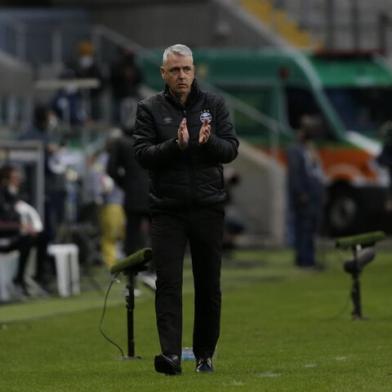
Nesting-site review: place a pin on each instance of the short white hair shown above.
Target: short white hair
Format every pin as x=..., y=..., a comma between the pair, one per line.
x=178, y=49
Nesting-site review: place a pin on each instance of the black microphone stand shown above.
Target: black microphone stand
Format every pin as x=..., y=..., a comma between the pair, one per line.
x=356, y=288
x=354, y=267
x=130, y=274
x=130, y=266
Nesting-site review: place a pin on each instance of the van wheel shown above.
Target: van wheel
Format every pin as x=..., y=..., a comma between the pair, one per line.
x=342, y=212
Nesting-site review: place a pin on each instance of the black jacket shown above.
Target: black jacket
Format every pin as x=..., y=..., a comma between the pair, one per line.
x=193, y=176
x=9, y=217
x=305, y=181
x=128, y=175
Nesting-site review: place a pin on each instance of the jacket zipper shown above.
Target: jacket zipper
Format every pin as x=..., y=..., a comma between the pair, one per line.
x=191, y=172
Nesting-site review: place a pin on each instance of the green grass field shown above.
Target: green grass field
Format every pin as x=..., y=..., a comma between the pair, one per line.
x=282, y=330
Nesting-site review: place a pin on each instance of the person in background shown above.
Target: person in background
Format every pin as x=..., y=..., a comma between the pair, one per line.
x=234, y=223
x=133, y=180
x=183, y=135
x=305, y=191
x=44, y=122
x=68, y=102
x=25, y=232
x=125, y=78
x=108, y=199
x=86, y=67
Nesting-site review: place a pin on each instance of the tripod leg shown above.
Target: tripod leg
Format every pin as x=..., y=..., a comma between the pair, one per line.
x=356, y=297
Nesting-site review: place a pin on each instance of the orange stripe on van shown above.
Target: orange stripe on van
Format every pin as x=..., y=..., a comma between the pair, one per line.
x=341, y=163
x=347, y=164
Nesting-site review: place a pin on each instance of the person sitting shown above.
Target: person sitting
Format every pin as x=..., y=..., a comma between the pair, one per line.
x=21, y=229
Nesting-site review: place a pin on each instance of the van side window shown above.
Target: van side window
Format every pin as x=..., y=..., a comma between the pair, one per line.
x=363, y=109
x=300, y=101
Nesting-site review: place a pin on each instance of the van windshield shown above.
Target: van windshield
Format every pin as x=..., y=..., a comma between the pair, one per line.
x=363, y=109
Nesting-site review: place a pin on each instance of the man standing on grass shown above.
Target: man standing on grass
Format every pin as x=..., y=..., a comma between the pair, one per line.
x=305, y=190
x=183, y=135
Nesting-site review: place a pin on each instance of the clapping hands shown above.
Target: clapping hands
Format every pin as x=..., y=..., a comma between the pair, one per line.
x=205, y=132
x=183, y=134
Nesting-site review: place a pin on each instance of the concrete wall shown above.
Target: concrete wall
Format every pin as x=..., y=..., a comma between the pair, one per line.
x=16, y=78
x=260, y=196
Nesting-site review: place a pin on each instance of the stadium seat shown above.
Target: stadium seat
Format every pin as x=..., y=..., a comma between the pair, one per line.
x=8, y=267
x=67, y=268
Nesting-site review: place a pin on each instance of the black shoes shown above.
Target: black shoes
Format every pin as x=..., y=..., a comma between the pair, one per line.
x=167, y=364
x=171, y=365
x=204, y=365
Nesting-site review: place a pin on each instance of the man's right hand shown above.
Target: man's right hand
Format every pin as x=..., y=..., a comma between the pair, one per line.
x=183, y=135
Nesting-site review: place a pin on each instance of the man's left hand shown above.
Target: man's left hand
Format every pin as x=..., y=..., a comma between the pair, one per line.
x=205, y=132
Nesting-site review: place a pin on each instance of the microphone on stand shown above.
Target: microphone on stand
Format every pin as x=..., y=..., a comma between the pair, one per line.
x=135, y=262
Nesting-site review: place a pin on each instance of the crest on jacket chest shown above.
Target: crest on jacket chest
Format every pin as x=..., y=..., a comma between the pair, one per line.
x=205, y=115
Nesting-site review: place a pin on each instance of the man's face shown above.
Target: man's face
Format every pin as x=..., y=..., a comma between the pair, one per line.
x=178, y=73
x=15, y=179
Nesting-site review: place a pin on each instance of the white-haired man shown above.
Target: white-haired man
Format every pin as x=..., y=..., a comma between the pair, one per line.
x=183, y=135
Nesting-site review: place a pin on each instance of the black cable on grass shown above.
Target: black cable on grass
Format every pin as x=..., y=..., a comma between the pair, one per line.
x=342, y=311
x=114, y=279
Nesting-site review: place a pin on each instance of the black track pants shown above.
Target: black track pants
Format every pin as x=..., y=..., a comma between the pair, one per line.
x=171, y=231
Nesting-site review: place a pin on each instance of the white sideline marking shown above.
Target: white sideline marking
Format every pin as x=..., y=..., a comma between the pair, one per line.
x=269, y=374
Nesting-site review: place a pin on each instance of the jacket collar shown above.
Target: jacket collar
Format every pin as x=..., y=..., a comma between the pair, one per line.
x=192, y=97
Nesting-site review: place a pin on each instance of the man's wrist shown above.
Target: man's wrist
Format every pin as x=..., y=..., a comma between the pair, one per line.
x=208, y=141
x=182, y=147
